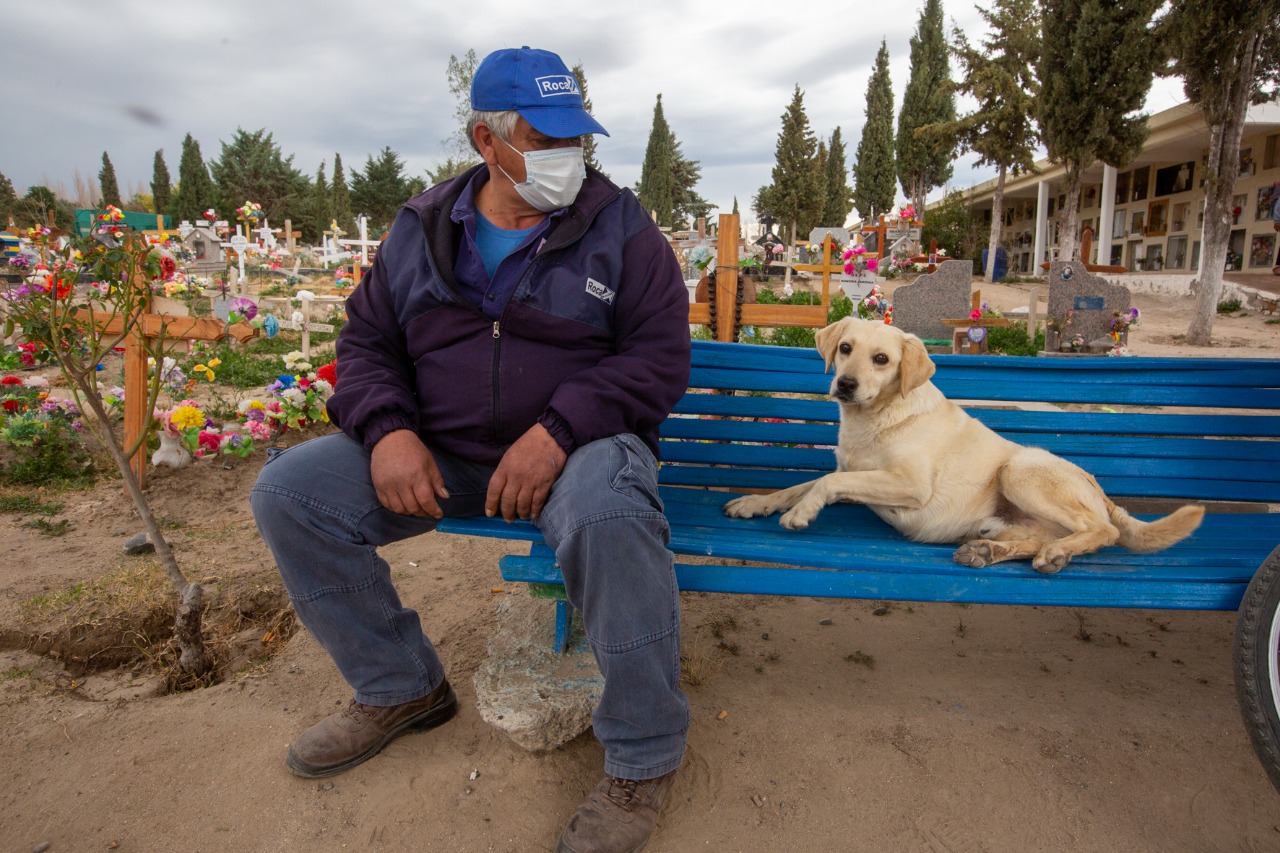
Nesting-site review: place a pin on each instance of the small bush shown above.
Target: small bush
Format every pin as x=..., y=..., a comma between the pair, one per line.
x=1013, y=340
x=1229, y=306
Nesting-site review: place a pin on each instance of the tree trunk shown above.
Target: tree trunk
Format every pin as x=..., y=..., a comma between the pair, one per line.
x=1220, y=183
x=193, y=659
x=1070, y=213
x=997, y=226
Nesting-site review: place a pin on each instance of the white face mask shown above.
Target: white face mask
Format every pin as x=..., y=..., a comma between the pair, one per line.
x=552, y=177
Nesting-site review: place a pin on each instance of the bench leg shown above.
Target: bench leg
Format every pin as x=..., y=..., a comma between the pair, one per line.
x=564, y=622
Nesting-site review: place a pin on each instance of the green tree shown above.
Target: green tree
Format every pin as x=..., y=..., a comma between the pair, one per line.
x=380, y=188
x=1228, y=55
x=195, y=193
x=1096, y=66
x=796, y=195
x=340, y=196
x=319, y=208
x=450, y=168
x=838, y=200
x=588, y=141
x=40, y=206
x=874, y=173
x=1001, y=77
x=458, y=74
x=924, y=162
x=954, y=226
x=107, y=181
x=161, y=185
x=252, y=168
x=657, y=187
x=8, y=201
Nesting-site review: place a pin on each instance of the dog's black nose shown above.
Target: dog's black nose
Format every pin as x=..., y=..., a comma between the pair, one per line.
x=846, y=385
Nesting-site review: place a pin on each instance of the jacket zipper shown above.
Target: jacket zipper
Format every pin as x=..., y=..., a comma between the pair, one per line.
x=497, y=353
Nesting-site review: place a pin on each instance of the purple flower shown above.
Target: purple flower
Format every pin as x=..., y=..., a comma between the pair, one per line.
x=246, y=308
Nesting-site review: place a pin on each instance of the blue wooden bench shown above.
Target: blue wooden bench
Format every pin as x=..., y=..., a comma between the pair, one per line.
x=757, y=417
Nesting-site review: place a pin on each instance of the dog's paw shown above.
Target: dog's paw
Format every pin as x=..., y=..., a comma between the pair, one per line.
x=798, y=518
x=1051, y=560
x=975, y=554
x=748, y=506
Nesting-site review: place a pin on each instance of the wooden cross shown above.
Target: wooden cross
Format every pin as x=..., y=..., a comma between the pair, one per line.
x=882, y=245
x=149, y=327
x=306, y=327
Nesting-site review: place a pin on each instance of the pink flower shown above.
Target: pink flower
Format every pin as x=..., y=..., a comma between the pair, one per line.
x=975, y=314
x=873, y=264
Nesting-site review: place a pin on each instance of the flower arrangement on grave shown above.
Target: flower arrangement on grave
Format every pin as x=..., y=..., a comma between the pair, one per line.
x=874, y=306
x=1076, y=343
x=40, y=437
x=342, y=278
x=1122, y=322
x=23, y=261
x=249, y=211
x=857, y=260
x=908, y=213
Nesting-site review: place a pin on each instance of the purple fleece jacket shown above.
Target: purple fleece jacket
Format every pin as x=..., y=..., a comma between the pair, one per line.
x=593, y=343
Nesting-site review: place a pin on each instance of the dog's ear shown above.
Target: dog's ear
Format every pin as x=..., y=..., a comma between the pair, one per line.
x=916, y=367
x=827, y=339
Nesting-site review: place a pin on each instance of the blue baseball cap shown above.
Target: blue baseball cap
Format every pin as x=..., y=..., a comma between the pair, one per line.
x=538, y=86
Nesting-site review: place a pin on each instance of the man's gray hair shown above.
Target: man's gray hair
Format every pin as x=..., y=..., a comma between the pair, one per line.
x=502, y=123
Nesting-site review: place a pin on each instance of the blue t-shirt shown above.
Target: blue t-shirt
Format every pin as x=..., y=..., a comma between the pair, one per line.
x=496, y=243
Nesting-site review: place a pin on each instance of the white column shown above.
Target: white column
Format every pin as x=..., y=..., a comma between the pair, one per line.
x=1102, y=240
x=1042, y=226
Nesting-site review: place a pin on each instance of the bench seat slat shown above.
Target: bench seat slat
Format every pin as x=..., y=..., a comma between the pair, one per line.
x=972, y=589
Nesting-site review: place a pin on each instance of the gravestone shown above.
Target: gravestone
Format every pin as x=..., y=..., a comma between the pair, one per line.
x=207, y=257
x=1091, y=301
x=944, y=294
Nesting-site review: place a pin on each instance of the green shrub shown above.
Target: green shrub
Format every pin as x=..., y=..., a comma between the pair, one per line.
x=1013, y=340
x=1229, y=306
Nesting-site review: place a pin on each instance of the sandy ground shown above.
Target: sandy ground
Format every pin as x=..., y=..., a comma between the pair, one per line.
x=940, y=728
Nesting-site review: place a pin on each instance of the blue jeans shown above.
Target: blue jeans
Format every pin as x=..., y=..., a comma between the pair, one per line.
x=316, y=508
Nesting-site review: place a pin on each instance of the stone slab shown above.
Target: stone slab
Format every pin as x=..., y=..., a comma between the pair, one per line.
x=944, y=294
x=539, y=699
x=1091, y=300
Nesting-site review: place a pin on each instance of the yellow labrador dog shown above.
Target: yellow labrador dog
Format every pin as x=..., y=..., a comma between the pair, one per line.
x=938, y=475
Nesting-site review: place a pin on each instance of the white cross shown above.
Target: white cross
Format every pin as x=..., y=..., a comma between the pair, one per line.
x=364, y=242
x=299, y=323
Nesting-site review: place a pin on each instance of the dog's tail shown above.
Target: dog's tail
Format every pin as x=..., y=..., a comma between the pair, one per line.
x=1147, y=536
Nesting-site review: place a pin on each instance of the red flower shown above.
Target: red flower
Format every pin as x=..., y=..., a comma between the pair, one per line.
x=210, y=440
x=10, y=380
x=329, y=373
x=10, y=405
x=167, y=268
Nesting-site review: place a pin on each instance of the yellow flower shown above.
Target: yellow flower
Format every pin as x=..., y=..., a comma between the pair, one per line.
x=215, y=362
x=208, y=373
x=185, y=417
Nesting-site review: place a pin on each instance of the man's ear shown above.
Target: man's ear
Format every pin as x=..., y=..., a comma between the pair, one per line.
x=485, y=141
x=827, y=339
x=916, y=367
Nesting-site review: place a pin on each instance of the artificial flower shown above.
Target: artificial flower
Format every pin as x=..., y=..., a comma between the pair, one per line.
x=186, y=416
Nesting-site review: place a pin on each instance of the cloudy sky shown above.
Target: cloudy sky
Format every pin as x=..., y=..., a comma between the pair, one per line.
x=134, y=76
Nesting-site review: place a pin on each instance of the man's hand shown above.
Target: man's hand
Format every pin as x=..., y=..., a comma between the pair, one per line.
x=405, y=475
x=520, y=485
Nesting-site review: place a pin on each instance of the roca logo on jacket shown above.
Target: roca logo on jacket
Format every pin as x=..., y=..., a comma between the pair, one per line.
x=556, y=84
x=599, y=291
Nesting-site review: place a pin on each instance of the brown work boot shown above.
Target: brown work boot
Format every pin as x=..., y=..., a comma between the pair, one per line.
x=341, y=741
x=616, y=817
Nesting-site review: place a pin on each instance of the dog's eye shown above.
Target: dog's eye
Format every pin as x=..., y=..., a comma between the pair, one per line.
x=845, y=349
x=880, y=358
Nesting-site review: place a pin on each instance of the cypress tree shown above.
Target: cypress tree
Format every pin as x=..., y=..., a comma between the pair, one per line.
x=161, y=190
x=107, y=181
x=8, y=201
x=340, y=196
x=874, y=173
x=796, y=195
x=1095, y=69
x=320, y=208
x=196, y=192
x=380, y=189
x=1001, y=78
x=924, y=162
x=657, y=187
x=1228, y=55
x=839, y=198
